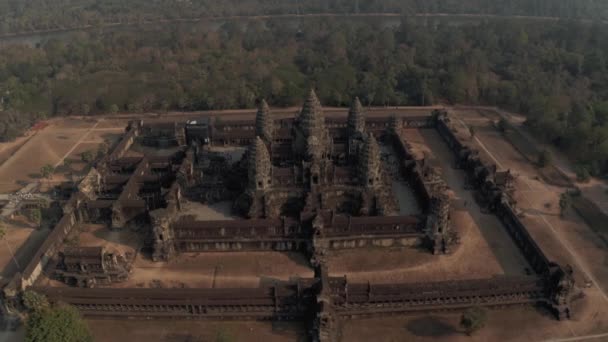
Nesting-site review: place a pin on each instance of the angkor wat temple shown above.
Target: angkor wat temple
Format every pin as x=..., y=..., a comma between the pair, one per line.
x=313, y=184
x=310, y=183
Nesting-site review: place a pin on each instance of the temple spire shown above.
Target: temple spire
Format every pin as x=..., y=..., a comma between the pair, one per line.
x=369, y=164
x=356, y=117
x=259, y=165
x=312, y=120
x=263, y=122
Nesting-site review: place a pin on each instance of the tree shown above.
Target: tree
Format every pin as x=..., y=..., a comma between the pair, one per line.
x=565, y=201
x=87, y=156
x=545, y=158
x=47, y=171
x=472, y=131
x=502, y=125
x=57, y=324
x=67, y=163
x=582, y=174
x=35, y=214
x=35, y=301
x=102, y=150
x=473, y=319
x=86, y=109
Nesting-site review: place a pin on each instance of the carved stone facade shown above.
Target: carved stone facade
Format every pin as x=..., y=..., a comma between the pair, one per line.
x=438, y=223
x=263, y=122
x=260, y=167
x=356, y=118
x=92, y=266
x=312, y=141
x=563, y=291
x=164, y=246
x=323, y=182
x=369, y=165
x=321, y=176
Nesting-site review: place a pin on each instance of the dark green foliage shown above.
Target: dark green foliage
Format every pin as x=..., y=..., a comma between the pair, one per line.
x=472, y=131
x=34, y=215
x=87, y=156
x=47, y=171
x=502, y=125
x=102, y=150
x=582, y=174
x=67, y=163
x=545, y=158
x=57, y=324
x=553, y=72
x=473, y=319
x=35, y=301
x=13, y=123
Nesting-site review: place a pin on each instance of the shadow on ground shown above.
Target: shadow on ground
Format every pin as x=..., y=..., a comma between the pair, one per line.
x=430, y=326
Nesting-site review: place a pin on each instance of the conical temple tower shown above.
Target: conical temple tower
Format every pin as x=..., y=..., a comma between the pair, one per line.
x=312, y=142
x=260, y=166
x=369, y=163
x=312, y=120
x=263, y=122
x=356, y=118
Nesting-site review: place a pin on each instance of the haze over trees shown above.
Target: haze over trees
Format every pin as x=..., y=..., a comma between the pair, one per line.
x=29, y=15
x=554, y=72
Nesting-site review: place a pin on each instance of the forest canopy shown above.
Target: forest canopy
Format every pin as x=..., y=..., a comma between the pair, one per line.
x=554, y=72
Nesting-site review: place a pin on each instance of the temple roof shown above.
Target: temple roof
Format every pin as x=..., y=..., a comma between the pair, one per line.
x=263, y=121
x=312, y=120
x=356, y=117
x=259, y=154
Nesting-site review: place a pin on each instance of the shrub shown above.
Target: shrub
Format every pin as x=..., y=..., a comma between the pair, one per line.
x=57, y=324
x=473, y=319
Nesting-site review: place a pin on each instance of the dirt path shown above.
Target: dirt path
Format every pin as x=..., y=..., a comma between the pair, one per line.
x=80, y=141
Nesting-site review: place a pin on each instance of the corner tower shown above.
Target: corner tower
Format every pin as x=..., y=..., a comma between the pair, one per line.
x=260, y=167
x=263, y=122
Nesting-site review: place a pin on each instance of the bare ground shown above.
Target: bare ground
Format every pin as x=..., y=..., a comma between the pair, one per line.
x=486, y=250
x=21, y=242
x=566, y=240
x=212, y=212
x=515, y=324
x=195, y=331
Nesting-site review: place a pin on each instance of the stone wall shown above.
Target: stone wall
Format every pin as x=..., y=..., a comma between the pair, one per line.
x=558, y=279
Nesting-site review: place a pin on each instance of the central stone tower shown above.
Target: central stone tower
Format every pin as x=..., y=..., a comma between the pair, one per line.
x=312, y=142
